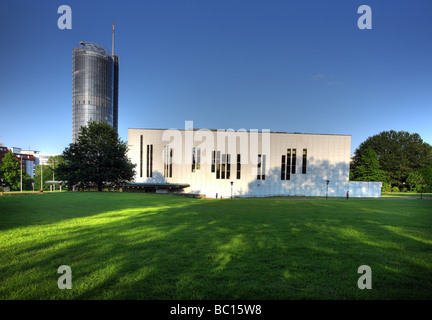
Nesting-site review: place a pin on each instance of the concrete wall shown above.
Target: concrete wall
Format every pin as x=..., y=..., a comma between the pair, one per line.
x=365, y=189
x=328, y=158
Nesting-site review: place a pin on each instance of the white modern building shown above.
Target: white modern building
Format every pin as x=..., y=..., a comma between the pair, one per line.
x=228, y=163
x=40, y=159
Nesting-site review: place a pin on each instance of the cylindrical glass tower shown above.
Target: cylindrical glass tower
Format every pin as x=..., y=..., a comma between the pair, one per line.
x=94, y=87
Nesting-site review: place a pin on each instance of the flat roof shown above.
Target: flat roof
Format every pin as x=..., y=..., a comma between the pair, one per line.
x=280, y=132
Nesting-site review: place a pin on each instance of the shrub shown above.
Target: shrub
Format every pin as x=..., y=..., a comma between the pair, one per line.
x=386, y=187
x=404, y=189
x=395, y=189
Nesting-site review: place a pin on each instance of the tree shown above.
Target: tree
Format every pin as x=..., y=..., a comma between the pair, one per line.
x=368, y=168
x=414, y=180
x=426, y=173
x=11, y=171
x=27, y=181
x=97, y=158
x=399, y=153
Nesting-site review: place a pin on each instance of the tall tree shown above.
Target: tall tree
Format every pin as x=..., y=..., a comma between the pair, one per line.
x=97, y=158
x=11, y=171
x=426, y=173
x=414, y=180
x=368, y=168
x=399, y=153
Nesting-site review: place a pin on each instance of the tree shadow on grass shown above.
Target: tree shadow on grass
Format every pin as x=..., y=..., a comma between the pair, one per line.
x=53, y=208
x=197, y=249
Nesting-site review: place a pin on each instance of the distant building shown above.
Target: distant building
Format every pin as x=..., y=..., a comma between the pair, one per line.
x=95, y=80
x=40, y=158
x=28, y=160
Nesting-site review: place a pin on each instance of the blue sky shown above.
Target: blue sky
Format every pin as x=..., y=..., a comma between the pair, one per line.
x=292, y=66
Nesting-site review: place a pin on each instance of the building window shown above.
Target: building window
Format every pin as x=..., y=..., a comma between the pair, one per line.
x=293, y=161
x=228, y=166
x=165, y=158
x=223, y=166
x=304, y=161
x=283, y=167
x=198, y=159
x=261, y=167
x=288, y=167
x=149, y=160
x=218, y=165
x=238, y=166
x=193, y=159
x=213, y=161
x=168, y=156
x=141, y=157
x=171, y=163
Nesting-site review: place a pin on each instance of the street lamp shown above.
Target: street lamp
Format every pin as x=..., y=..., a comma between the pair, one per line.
x=327, y=188
x=41, y=186
x=421, y=197
x=21, y=173
x=52, y=168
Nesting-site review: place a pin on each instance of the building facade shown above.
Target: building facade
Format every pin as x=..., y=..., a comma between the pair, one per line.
x=95, y=82
x=223, y=163
x=27, y=160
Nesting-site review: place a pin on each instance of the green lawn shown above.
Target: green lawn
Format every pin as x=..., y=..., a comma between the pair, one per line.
x=142, y=246
x=409, y=194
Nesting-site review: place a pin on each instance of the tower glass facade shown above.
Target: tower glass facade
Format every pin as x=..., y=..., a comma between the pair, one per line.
x=94, y=87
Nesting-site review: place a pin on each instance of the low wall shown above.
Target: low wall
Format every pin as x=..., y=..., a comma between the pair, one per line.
x=365, y=189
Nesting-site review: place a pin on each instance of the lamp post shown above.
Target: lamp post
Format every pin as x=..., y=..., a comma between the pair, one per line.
x=53, y=166
x=421, y=197
x=21, y=174
x=41, y=186
x=327, y=188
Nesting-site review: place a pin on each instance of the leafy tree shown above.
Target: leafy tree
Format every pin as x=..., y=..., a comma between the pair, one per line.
x=97, y=158
x=368, y=168
x=426, y=173
x=414, y=180
x=11, y=171
x=27, y=181
x=399, y=153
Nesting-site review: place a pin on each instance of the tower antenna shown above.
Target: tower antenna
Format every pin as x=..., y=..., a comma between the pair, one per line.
x=112, y=52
